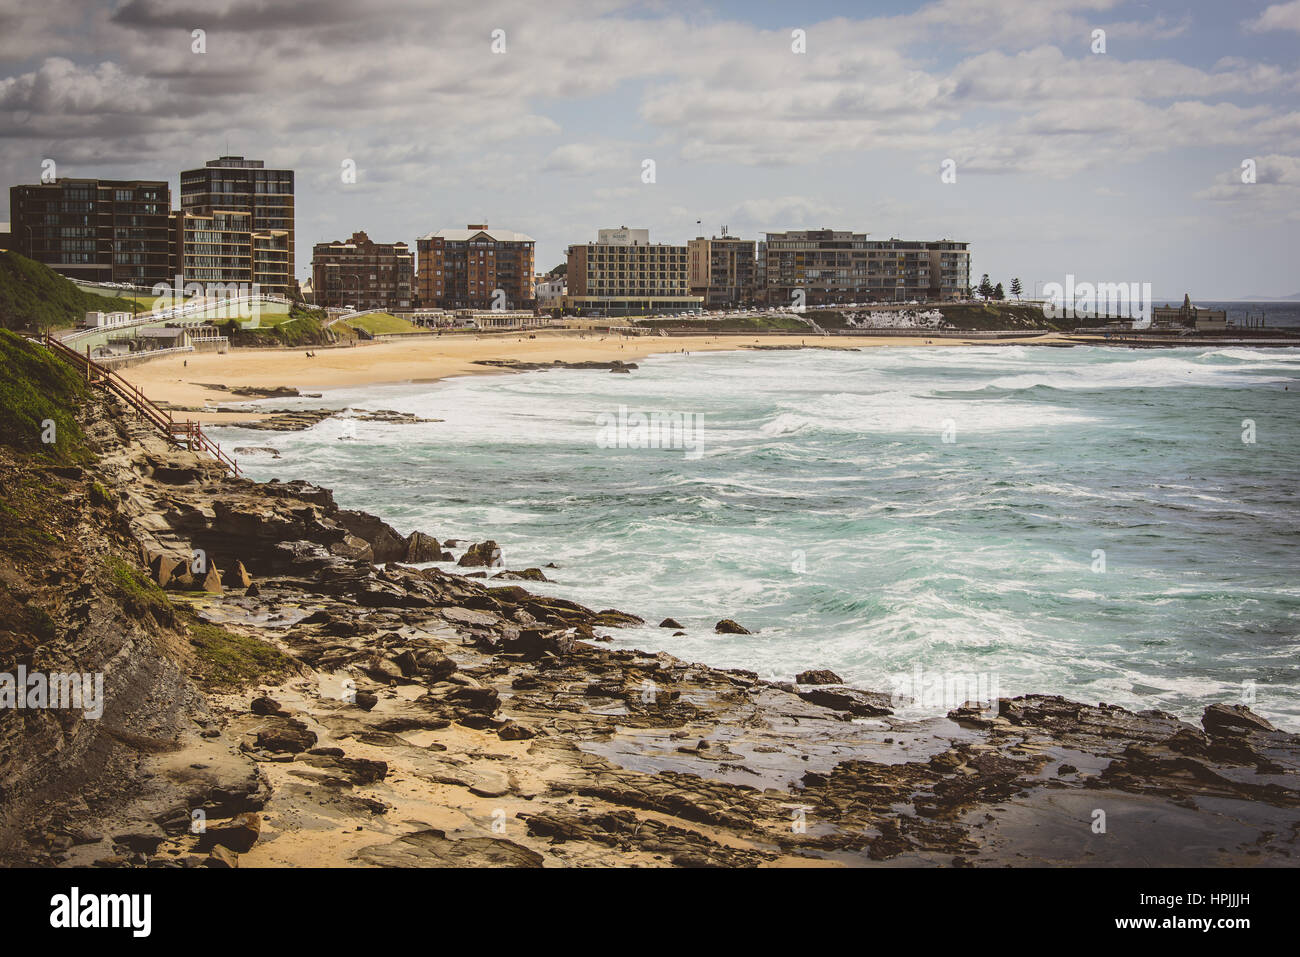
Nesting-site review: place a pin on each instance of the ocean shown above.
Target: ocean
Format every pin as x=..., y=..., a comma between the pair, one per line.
x=1108, y=525
x=1276, y=313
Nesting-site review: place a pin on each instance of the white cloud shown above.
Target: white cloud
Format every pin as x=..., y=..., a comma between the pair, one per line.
x=1278, y=16
x=1273, y=197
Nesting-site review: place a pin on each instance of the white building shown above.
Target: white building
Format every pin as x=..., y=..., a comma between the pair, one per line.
x=550, y=295
x=102, y=320
x=623, y=237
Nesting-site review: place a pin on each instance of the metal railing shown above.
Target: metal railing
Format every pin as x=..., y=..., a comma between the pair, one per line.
x=344, y=316
x=175, y=312
x=188, y=433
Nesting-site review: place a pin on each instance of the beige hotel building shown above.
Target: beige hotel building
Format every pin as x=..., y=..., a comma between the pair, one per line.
x=623, y=274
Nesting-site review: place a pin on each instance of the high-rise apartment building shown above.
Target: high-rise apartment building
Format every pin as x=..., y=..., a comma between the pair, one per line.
x=623, y=274
x=838, y=266
x=363, y=274
x=223, y=189
x=722, y=270
x=476, y=268
x=97, y=230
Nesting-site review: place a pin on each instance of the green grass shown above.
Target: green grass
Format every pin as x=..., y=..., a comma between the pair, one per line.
x=38, y=399
x=381, y=324
x=99, y=495
x=302, y=326
x=227, y=660
x=143, y=301
x=138, y=592
x=35, y=297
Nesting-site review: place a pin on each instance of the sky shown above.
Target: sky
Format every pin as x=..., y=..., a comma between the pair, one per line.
x=1115, y=157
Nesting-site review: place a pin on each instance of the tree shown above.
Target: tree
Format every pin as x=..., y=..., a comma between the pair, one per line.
x=1016, y=288
x=998, y=292
x=986, y=287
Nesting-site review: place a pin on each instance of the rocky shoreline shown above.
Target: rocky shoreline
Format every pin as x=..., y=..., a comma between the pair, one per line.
x=412, y=716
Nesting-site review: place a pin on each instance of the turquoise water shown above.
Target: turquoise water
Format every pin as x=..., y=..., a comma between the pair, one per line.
x=827, y=512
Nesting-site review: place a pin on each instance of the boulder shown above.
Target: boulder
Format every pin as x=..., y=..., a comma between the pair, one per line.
x=266, y=706
x=222, y=858
x=671, y=623
x=435, y=665
x=422, y=548
x=485, y=554
x=515, y=732
x=353, y=548
x=212, y=580
x=239, y=834
x=406, y=662
x=237, y=576
x=1221, y=720
x=729, y=627
x=162, y=568
x=862, y=704
x=818, y=676
x=292, y=736
x=527, y=575
x=181, y=579
x=384, y=541
x=616, y=619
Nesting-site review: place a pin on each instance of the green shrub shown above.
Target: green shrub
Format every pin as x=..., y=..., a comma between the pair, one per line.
x=33, y=296
x=37, y=391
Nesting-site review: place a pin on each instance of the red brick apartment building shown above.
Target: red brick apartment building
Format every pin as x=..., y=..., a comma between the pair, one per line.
x=463, y=268
x=363, y=274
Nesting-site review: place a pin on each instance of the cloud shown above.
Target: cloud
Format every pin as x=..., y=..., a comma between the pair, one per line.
x=551, y=134
x=1273, y=197
x=1278, y=16
x=781, y=212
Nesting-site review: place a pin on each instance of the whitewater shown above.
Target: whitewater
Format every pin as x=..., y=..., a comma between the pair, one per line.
x=1105, y=524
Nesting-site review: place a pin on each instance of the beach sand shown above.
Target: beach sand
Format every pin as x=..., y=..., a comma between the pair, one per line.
x=183, y=380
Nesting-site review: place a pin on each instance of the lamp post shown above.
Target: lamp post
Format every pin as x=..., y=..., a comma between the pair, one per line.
x=341, y=290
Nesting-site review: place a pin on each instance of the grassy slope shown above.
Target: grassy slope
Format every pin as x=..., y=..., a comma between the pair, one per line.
x=381, y=324
x=33, y=296
x=37, y=389
x=303, y=327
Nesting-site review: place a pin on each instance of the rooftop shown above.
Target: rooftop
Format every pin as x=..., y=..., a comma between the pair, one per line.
x=463, y=235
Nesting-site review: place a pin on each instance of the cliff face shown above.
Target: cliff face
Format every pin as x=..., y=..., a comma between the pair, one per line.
x=279, y=690
x=72, y=601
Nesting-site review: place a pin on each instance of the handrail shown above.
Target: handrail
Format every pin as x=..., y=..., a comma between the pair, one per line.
x=345, y=316
x=190, y=433
x=176, y=312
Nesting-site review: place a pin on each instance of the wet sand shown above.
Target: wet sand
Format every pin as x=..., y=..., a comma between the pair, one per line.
x=183, y=380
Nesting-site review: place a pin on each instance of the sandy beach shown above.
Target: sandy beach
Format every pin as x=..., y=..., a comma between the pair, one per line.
x=185, y=380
